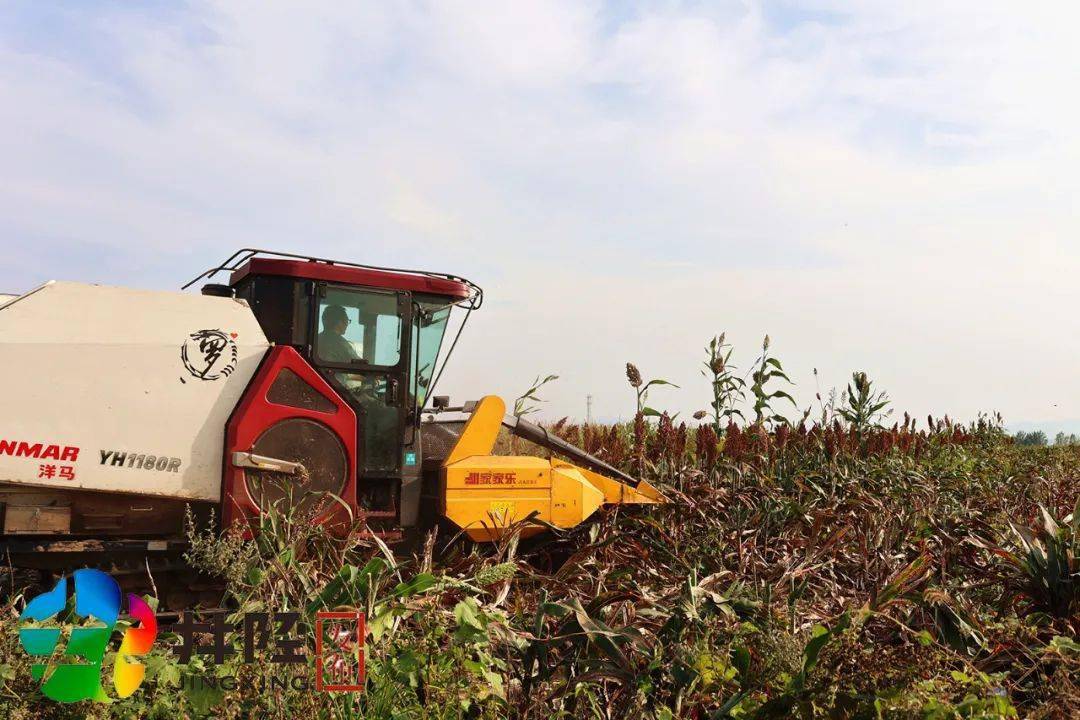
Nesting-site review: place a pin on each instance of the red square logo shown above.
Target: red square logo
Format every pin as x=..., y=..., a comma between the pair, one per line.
x=339, y=651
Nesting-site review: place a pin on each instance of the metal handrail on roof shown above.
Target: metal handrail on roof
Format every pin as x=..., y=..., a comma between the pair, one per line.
x=239, y=258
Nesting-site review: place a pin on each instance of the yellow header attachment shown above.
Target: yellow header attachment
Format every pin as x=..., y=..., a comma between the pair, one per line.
x=484, y=493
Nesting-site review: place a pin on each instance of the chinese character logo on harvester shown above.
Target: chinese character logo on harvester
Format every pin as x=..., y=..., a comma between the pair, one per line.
x=76, y=674
x=209, y=354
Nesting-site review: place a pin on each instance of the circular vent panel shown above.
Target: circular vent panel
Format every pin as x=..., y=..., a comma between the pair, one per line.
x=309, y=443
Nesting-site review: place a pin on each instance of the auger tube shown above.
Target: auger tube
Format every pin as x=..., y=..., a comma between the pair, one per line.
x=540, y=436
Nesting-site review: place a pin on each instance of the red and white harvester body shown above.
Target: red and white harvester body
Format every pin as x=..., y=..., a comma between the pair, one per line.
x=301, y=382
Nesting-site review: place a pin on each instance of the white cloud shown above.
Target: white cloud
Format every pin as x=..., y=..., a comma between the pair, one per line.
x=884, y=186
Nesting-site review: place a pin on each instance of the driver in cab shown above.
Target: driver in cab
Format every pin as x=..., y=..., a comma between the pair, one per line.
x=333, y=346
x=379, y=420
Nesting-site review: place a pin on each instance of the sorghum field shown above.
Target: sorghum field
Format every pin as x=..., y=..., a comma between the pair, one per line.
x=844, y=564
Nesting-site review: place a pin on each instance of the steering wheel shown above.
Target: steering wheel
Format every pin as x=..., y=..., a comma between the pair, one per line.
x=366, y=389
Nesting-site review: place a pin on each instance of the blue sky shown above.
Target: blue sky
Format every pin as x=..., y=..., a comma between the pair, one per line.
x=878, y=187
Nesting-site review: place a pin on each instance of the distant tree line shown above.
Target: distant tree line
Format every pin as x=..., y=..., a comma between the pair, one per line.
x=1038, y=437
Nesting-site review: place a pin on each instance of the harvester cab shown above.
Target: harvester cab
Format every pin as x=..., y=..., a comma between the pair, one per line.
x=298, y=382
x=368, y=341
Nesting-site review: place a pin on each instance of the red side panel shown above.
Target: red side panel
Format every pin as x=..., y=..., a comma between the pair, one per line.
x=255, y=414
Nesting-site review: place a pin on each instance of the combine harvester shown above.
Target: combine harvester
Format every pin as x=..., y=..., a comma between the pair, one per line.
x=302, y=381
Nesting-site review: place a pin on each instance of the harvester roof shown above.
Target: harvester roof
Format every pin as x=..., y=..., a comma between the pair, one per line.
x=371, y=277
x=248, y=262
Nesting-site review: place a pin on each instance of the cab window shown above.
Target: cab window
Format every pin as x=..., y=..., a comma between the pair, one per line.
x=380, y=417
x=358, y=327
x=428, y=330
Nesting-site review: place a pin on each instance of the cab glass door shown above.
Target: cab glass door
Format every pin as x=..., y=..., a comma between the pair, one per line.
x=360, y=345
